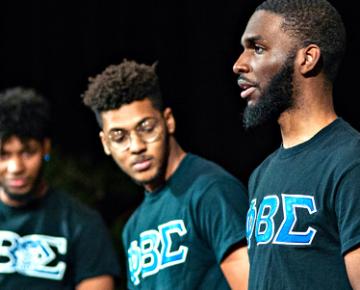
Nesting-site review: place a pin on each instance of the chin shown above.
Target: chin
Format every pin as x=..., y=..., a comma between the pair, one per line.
x=145, y=181
x=148, y=179
x=19, y=192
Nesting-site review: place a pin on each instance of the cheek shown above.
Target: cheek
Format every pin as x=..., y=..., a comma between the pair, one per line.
x=158, y=149
x=269, y=65
x=34, y=165
x=121, y=160
x=2, y=171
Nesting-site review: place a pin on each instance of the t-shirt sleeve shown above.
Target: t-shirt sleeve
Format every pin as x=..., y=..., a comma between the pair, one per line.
x=220, y=213
x=93, y=251
x=348, y=208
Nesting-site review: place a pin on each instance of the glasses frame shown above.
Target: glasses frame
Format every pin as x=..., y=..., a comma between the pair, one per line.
x=140, y=133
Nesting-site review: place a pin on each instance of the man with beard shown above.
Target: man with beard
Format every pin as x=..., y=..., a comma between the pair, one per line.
x=48, y=240
x=189, y=232
x=303, y=223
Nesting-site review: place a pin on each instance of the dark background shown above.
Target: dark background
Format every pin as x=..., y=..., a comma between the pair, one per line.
x=55, y=46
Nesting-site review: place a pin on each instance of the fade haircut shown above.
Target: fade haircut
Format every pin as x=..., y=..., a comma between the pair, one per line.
x=313, y=22
x=24, y=113
x=122, y=84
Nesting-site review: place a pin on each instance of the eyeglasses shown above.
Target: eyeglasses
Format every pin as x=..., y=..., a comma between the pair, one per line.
x=148, y=130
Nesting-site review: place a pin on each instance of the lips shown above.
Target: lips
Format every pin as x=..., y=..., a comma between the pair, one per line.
x=142, y=164
x=17, y=182
x=246, y=86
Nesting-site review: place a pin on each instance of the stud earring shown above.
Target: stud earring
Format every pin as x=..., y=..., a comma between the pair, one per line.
x=47, y=157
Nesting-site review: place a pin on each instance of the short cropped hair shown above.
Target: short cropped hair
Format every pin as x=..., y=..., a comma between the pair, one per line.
x=313, y=22
x=122, y=84
x=24, y=113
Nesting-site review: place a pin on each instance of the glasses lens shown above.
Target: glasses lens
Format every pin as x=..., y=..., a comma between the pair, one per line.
x=120, y=139
x=149, y=130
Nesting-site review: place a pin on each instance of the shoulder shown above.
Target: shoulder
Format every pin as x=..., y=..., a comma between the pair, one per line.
x=205, y=173
x=344, y=146
x=211, y=181
x=262, y=166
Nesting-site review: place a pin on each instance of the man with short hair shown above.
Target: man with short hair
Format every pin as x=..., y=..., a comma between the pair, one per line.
x=48, y=240
x=303, y=224
x=189, y=232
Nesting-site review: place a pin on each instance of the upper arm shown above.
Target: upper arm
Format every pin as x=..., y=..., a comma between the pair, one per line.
x=235, y=267
x=220, y=216
x=352, y=263
x=347, y=202
x=104, y=282
x=93, y=254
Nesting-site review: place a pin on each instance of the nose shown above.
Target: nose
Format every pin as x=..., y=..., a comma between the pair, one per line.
x=137, y=145
x=15, y=165
x=240, y=66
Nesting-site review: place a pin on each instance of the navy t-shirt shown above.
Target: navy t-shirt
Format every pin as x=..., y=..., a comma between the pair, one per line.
x=179, y=235
x=53, y=243
x=304, y=212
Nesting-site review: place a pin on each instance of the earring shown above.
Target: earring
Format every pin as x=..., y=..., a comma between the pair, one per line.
x=47, y=157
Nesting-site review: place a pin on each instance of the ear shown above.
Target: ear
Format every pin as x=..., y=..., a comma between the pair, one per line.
x=309, y=58
x=170, y=120
x=104, y=143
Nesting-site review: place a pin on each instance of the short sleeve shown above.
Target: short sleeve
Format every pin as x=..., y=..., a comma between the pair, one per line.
x=93, y=252
x=348, y=209
x=220, y=213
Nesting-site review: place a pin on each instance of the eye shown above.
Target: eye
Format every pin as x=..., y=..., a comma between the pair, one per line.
x=147, y=126
x=28, y=153
x=117, y=136
x=258, y=49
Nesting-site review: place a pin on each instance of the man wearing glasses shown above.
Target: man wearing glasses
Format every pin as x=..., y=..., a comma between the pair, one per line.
x=189, y=232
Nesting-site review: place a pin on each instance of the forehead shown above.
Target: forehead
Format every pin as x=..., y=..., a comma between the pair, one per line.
x=14, y=143
x=265, y=26
x=128, y=115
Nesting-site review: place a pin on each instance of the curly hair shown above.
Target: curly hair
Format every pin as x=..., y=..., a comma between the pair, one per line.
x=122, y=84
x=316, y=22
x=24, y=113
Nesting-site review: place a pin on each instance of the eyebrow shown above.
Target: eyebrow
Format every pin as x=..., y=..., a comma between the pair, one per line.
x=251, y=39
x=137, y=124
x=24, y=148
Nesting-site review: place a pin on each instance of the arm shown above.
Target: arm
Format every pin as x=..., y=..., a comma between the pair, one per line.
x=221, y=213
x=104, y=282
x=94, y=260
x=347, y=208
x=352, y=263
x=235, y=267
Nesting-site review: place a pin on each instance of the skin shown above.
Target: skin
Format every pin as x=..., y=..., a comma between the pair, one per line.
x=265, y=49
x=104, y=282
x=236, y=268
x=235, y=265
x=352, y=263
x=150, y=157
x=20, y=167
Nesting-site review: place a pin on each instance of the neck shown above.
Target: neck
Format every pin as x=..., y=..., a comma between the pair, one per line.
x=176, y=154
x=306, y=119
x=9, y=199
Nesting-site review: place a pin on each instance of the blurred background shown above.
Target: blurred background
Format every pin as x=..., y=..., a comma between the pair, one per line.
x=54, y=46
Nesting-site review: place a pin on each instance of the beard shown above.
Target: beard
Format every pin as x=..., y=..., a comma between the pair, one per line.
x=26, y=197
x=277, y=98
x=159, y=177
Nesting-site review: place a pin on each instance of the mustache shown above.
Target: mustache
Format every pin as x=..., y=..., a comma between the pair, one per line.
x=140, y=158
